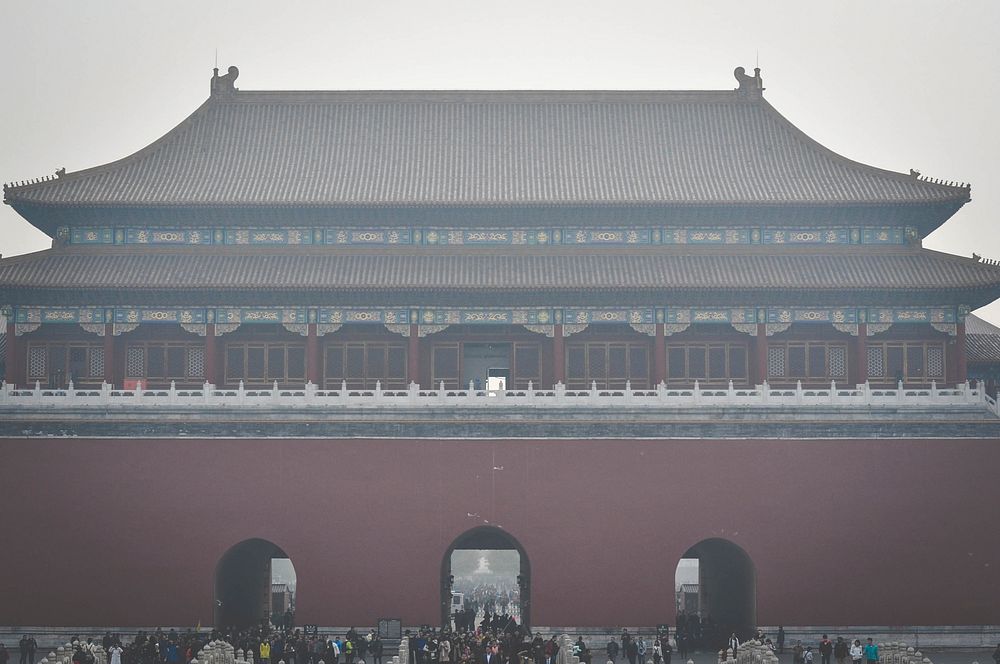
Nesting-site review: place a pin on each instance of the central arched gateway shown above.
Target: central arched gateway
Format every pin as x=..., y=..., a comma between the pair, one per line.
x=481, y=542
x=726, y=588
x=244, y=595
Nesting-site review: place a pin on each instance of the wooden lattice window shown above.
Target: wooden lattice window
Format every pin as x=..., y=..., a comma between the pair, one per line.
x=56, y=364
x=158, y=363
x=909, y=361
x=608, y=364
x=707, y=363
x=260, y=364
x=364, y=364
x=527, y=365
x=815, y=361
x=445, y=366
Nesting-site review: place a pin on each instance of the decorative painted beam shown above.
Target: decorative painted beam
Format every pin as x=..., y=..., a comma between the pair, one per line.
x=610, y=235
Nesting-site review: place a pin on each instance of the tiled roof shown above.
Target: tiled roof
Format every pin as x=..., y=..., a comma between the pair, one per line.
x=483, y=149
x=982, y=340
x=336, y=270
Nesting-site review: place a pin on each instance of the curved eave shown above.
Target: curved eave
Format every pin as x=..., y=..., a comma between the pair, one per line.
x=925, y=217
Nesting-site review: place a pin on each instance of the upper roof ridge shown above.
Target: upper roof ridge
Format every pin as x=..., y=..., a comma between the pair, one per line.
x=492, y=148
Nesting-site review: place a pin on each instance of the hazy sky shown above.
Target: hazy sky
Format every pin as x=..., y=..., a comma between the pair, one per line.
x=897, y=84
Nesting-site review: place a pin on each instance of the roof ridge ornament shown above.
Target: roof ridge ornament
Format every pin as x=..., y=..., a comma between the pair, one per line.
x=225, y=84
x=749, y=85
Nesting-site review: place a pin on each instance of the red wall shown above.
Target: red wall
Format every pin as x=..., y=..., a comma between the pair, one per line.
x=128, y=532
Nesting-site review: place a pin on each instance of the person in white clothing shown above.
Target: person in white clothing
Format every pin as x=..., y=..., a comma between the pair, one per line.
x=116, y=654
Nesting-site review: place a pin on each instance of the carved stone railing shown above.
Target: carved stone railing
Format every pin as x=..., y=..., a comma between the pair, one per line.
x=64, y=654
x=309, y=395
x=899, y=653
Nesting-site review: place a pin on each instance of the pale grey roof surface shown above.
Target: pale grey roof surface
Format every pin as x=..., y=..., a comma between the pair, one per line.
x=484, y=149
x=982, y=340
x=328, y=270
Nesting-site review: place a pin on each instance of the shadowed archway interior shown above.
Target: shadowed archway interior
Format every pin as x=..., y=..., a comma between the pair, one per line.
x=727, y=586
x=243, y=583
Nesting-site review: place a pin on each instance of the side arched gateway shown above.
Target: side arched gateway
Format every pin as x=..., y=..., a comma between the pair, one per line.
x=254, y=581
x=716, y=580
x=485, y=570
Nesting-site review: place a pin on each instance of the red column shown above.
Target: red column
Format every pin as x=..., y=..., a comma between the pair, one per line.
x=211, y=373
x=962, y=373
x=558, y=355
x=12, y=359
x=760, y=350
x=109, y=353
x=659, y=356
x=413, y=355
x=312, y=354
x=861, y=354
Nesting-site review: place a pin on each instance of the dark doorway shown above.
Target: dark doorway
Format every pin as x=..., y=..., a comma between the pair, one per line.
x=718, y=578
x=486, y=365
x=254, y=581
x=485, y=571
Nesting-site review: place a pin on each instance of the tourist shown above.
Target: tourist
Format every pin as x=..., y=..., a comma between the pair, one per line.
x=825, y=649
x=640, y=649
x=840, y=650
x=551, y=650
x=769, y=645
x=807, y=656
x=4, y=655
x=668, y=650
x=734, y=643
x=856, y=652
x=798, y=652
x=612, y=651
x=657, y=652
x=631, y=650
x=996, y=654
x=871, y=652
x=781, y=640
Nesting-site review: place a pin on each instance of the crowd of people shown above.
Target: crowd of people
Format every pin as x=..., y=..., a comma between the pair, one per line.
x=494, y=640
x=500, y=601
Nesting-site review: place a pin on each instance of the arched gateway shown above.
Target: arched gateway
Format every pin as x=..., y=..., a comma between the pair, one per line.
x=490, y=542
x=726, y=587
x=243, y=584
